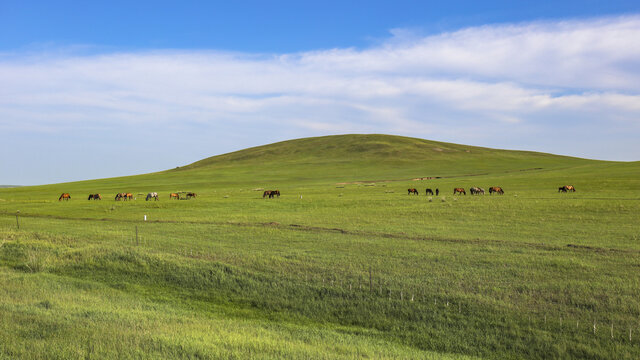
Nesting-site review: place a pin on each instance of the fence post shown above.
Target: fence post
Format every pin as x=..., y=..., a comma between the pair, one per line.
x=612, y=329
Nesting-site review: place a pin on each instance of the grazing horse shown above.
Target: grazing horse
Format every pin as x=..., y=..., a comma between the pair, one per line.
x=124, y=196
x=567, y=188
x=191, y=195
x=152, y=195
x=174, y=195
x=437, y=191
x=496, y=189
x=459, y=190
x=94, y=197
x=412, y=191
x=271, y=193
x=429, y=191
x=476, y=190
x=65, y=196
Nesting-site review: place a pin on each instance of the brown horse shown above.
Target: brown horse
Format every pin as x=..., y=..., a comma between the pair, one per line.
x=191, y=195
x=567, y=188
x=124, y=196
x=496, y=189
x=412, y=191
x=174, y=195
x=271, y=193
x=94, y=197
x=429, y=191
x=64, y=196
x=460, y=191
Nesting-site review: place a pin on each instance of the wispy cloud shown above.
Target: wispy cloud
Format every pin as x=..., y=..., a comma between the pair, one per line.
x=532, y=81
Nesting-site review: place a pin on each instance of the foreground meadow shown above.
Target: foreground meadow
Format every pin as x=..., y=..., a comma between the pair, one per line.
x=344, y=264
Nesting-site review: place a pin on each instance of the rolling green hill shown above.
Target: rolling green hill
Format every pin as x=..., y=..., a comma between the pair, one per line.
x=345, y=264
x=374, y=157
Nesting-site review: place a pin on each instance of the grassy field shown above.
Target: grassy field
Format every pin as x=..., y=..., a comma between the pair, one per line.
x=344, y=264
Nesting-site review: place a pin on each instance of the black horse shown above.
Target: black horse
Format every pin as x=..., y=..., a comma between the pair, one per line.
x=429, y=191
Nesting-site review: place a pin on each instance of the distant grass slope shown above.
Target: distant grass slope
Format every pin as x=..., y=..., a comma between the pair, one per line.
x=375, y=157
x=323, y=160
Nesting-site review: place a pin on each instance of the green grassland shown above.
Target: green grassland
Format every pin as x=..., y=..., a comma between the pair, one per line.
x=344, y=264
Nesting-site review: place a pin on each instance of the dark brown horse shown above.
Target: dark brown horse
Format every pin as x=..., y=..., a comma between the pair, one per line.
x=567, y=188
x=271, y=193
x=191, y=195
x=412, y=191
x=64, y=196
x=496, y=189
x=429, y=191
x=174, y=195
x=94, y=197
x=459, y=191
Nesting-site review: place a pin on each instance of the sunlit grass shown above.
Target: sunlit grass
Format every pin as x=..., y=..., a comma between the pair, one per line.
x=328, y=270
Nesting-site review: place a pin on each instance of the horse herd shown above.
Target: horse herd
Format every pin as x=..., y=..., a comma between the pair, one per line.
x=129, y=196
x=273, y=193
x=474, y=191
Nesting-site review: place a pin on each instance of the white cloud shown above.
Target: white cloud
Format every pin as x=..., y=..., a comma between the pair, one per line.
x=521, y=77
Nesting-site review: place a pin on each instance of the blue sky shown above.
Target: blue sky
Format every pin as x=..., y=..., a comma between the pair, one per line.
x=262, y=26
x=122, y=88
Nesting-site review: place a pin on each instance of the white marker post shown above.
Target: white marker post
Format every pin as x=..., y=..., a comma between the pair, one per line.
x=145, y=218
